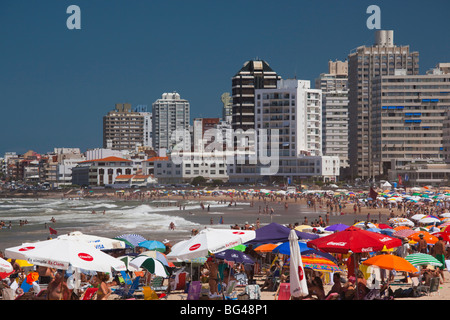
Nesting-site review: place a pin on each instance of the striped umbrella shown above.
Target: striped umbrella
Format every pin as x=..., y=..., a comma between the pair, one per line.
x=404, y=233
x=320, y=264
x=154, y=266
x=132, y=240
x=419, y=259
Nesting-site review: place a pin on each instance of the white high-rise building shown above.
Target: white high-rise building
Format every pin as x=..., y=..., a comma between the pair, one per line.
x=148, y=129
x=296, y=111
x=334, y=86
x=171, y=116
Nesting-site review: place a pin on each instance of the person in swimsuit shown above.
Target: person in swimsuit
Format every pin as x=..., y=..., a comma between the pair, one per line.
x=57, y=289
x=104, y=291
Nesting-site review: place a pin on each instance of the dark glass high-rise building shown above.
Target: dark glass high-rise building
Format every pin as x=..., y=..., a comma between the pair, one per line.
x=255, y=74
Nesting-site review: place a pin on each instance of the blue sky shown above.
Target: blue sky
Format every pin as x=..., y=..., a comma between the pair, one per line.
x=56, y=84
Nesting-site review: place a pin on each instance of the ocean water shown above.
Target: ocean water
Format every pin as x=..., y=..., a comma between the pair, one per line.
x=150, y=219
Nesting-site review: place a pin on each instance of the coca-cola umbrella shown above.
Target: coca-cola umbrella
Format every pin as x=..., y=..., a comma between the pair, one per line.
x=209, y=241
x=5, y=268
x=355, y=240
x=62, y=253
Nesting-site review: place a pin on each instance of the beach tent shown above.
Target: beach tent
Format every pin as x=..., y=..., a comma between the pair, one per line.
x=274, y=233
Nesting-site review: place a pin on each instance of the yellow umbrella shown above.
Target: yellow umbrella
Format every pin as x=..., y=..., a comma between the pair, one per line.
x=303, y=227
x=22, y=263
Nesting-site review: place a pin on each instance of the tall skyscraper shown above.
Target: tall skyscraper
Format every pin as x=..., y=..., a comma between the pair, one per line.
x=334, y=86
x=365, y=63
x=123, y=129
x=255, y=74
x=408, y=118
x=171, y=117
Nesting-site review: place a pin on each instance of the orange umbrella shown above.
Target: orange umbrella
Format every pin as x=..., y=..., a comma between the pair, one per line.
x=429, y=238
x=390, y=262
x=268, y=247
x=401, y=228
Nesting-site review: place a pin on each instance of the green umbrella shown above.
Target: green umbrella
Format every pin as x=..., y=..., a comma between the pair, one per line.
x=419, y=259
x=239, y=247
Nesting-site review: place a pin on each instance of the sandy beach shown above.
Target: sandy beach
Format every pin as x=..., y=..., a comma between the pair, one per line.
x=286, y=211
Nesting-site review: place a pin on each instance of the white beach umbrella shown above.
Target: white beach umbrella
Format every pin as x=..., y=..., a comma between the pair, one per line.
x=298, y=286
x=401, y=222
x=209, y=240
x=445, y=215
x=5, y=268
x=428, y=220
x=100, y=243
x=62, y=253
x=418, y=216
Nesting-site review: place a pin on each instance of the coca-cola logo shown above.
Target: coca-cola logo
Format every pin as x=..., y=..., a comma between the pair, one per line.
x=339, y=244
x=238, y=232
x=300, y=273
x=195, y=247
x=26, y=248
x=85, y=257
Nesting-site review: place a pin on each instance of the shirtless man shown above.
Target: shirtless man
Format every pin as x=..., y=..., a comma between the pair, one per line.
x=57, y=289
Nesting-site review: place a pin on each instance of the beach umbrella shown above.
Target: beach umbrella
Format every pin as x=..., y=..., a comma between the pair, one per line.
x=320, y=264
x=429, y=219
x=384, y=226
x=268, y=247
x=403, y=233
x=401, y=222
x=100, y=243
x=234, y=256
x=153, y=245
x=5, y=268
x=445, y=235
x=284, y=248
x=303, y=227
x=420, y=259
x=354, y=239
x=297, y=276
x=240, y=247
x=445, y=215
x=126, y=260
x=132, y=240
x=337, y=227
x=22, y=263
x=430, y=239
x=390, y=262
x=158, y=255
x=418, y=216
x=152, y=265
x=210, y=241
x=63, y=253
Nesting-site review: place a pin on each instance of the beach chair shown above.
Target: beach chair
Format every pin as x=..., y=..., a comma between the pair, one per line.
x=241, y=278
x=149, y=293
x=253, y=291
x=157, y=284
x=194, y=290
x=179, y=282
x=89, y=294
x=230, y=293
x=434, y=286
x=285, y=291
x=128, y=291
x=125, y=279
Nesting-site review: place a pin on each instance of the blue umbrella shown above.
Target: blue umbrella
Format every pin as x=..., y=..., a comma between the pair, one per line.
x=284, y=248
x=153, y=245
x=337, y=227
x=235, y=256
x=131, y=240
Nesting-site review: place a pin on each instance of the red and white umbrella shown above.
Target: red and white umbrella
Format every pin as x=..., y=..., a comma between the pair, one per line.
x=354, y=239
x=5, y=268
x=62, y=253
x=209, y=241
x=298, y=286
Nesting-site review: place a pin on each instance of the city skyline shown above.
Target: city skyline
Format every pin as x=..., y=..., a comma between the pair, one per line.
x=59, y=83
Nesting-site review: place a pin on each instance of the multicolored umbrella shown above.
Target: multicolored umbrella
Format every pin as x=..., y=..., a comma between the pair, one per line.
x=320, y=264
x=420, y=259
x=5, y=268
x=401, y=222
x=159, y=256
x=390, y=262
